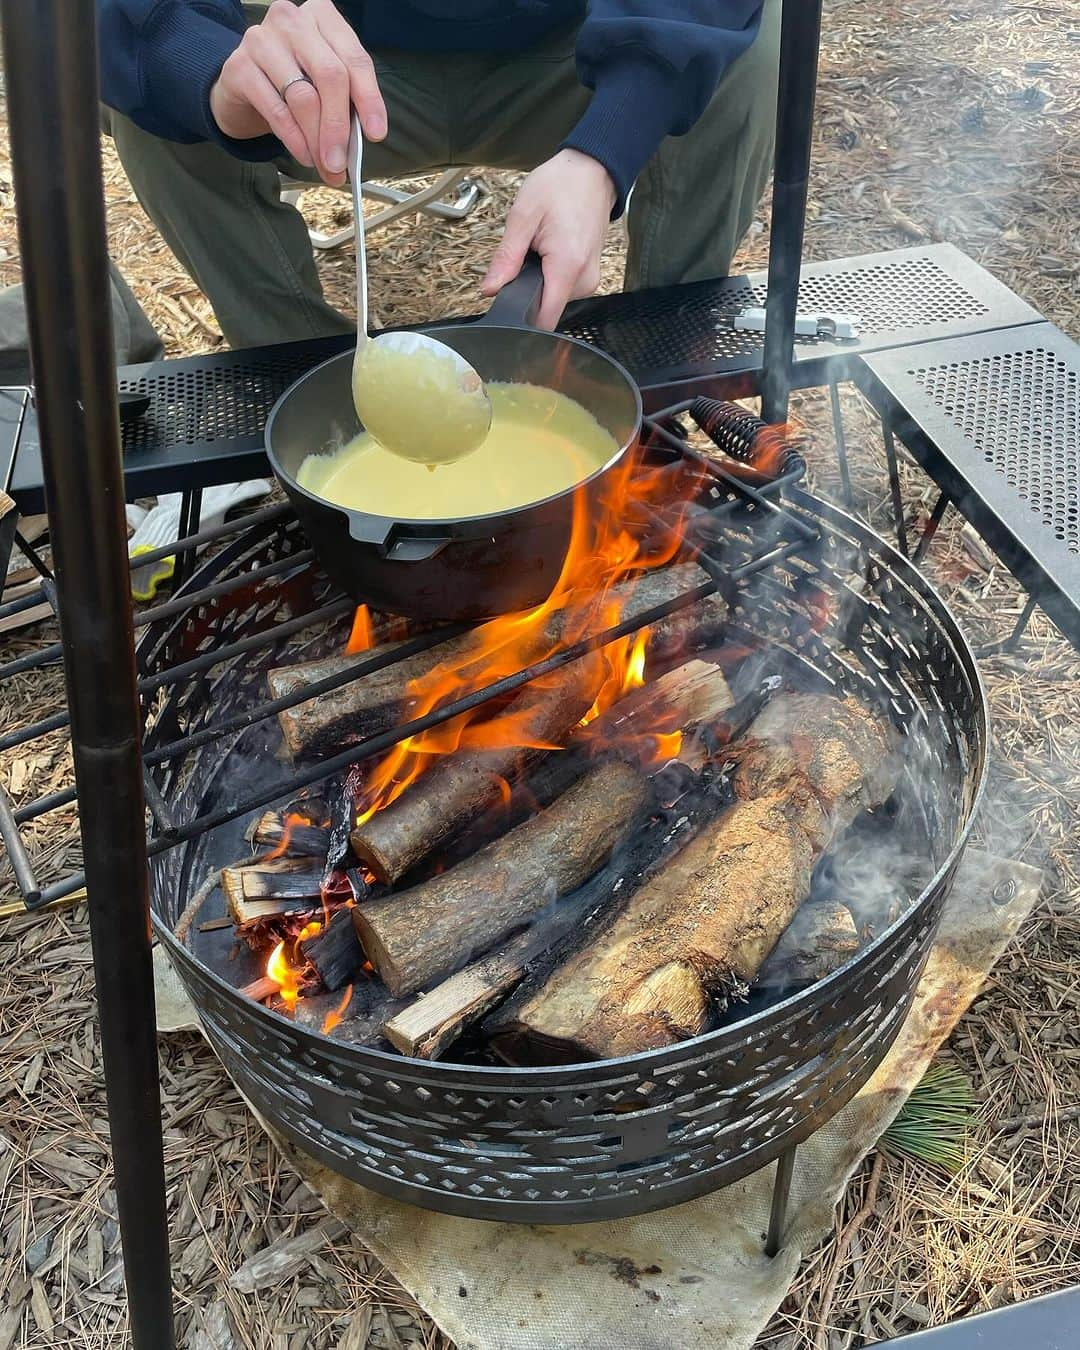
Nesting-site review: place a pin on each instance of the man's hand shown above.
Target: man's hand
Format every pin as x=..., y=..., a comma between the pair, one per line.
x=562, y=211
x=312, y=119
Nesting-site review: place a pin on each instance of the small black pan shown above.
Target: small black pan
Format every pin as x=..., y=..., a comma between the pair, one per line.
x=454, y=569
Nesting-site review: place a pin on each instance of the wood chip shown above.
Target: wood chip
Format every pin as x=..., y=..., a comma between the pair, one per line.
x=284, y=1258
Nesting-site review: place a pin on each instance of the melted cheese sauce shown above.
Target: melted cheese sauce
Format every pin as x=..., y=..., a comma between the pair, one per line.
x=540, y=443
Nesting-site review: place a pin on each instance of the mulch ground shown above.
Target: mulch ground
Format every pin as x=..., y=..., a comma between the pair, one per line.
x=955, y=123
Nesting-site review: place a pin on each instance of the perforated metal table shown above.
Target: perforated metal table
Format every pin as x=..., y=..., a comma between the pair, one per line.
x=205, y=421
x=994, y=419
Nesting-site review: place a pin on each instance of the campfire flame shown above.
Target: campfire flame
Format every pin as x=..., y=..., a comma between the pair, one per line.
x=604, y=550
x=285, y=968
x=362, y=638
x=336, y=1015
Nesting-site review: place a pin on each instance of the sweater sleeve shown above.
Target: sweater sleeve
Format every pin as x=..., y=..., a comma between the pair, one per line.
x=653, y=68
x=159, y=60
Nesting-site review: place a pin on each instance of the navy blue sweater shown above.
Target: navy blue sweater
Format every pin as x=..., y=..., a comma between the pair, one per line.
x=653, y=64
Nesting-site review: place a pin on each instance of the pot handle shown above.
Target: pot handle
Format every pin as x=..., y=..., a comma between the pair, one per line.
x=516, y=304
x=415, y=550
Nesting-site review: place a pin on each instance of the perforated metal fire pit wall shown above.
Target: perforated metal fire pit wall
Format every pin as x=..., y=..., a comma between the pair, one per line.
x=599, y=1141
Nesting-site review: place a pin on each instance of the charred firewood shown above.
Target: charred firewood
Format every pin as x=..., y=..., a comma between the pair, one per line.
x=379, y=700
x=712, y=915
x=355, y=1014
x=432, y=929
x=335, y=953
x=818, y=940
x=464, y=785
x=270, y=887
x=295, y=837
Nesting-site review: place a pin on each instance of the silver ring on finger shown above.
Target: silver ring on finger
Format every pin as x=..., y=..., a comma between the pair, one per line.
x=300, y=78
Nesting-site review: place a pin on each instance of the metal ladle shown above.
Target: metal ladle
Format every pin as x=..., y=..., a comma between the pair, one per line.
x=414, y=394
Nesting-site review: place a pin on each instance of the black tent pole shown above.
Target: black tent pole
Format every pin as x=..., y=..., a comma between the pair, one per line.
x=800, y=35
x=50, y=57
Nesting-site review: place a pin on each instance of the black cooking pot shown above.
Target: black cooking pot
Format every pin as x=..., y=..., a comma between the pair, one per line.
x=454, y=569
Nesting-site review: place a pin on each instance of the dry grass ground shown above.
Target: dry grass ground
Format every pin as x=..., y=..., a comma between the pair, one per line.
x=934, y=122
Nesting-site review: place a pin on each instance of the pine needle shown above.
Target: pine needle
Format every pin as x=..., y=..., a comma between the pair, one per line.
x=933, y=1123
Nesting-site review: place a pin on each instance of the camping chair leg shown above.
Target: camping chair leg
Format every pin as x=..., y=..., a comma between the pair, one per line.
x=1010, y=643
x=894, y=487
x=841, y=445
x=190, y=512
x=785, y=1165
x=940, y=507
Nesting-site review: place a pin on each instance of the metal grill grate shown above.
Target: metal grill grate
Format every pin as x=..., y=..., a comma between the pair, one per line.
x=1022, y=410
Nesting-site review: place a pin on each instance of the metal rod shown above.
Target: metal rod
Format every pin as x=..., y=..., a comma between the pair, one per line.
x=198, y=664
x=894, y=488
x=800, y=33
x=16, y=851
x=841, y=445
x=940, y=507
x=785, y=1166
x=1009, y=644
x=190, y=515
x=50, y=52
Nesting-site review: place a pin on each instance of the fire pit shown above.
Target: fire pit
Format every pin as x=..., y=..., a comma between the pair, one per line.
x=816, y=599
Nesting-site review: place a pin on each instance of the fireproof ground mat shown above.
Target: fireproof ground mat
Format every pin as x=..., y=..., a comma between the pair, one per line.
x=696, y=1274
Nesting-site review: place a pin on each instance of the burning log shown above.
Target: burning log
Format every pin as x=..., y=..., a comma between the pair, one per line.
x=335, y=952
x=818, y=940
x=270, y=887
x=370, y=704
x=355, y=1014
x=294, y=836
x=464, y=785
x=424, y=933
x=709, y=918
x=375, y=702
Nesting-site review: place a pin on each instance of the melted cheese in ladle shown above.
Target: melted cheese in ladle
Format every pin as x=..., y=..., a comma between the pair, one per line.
x=541, y=443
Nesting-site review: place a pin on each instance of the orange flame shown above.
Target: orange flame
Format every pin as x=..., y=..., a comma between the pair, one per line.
x=603, y=552
x=291, y=821
x=286, y=967
x=336, y=1015
x=362, y=638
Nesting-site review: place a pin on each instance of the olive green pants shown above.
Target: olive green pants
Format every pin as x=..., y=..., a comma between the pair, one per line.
x=249, y=251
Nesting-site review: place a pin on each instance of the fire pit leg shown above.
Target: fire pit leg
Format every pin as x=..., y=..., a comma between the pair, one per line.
x=50, y=52
x=785, y=1165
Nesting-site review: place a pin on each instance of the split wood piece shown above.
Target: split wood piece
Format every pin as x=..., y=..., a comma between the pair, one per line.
x=335, y=953
x=818, y=940
x=425, y=933
x=426, y=1027
x=463, y=786
x=270, y=887
x=273, y=829
x=711, y=916
x=261, y=989
x=378, y=701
